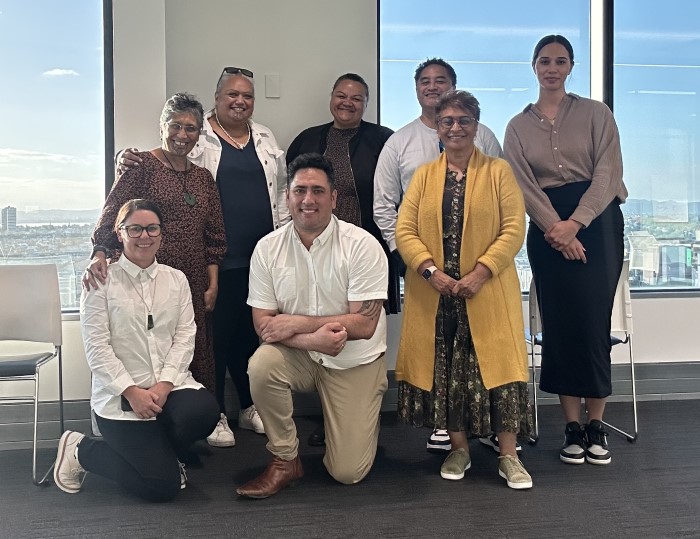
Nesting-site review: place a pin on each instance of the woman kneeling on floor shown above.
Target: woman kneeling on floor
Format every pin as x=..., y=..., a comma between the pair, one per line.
x=139, y=333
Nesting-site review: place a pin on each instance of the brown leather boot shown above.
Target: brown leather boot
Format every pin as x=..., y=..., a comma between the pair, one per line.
x=278, y=474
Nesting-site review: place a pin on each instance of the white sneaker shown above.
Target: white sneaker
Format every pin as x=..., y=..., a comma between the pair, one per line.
x=249, y=419
x=222, y=436
x=68, y=474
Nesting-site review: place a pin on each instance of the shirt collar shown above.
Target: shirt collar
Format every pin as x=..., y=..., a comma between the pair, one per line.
x=570, y=94
x=323, y=236
x=133, y=270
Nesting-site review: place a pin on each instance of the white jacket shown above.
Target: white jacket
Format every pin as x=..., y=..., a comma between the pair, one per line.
x=207, y=154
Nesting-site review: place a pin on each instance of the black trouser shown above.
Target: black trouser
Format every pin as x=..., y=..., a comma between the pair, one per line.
x=235, y=339
x=142, y=456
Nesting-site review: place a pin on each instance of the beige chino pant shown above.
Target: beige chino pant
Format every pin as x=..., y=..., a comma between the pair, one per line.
x=351, y=400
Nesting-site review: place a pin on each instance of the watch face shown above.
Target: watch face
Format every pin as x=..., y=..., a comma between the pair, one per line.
x=426, y=274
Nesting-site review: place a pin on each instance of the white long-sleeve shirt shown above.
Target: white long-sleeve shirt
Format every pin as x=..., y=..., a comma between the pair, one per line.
x=413, y=145
x=120, y=349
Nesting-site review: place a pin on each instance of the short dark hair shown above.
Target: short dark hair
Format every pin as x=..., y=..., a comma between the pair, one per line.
x=134, y=205
x=353, y=77
x=460, y=99
x=182, y=102
x=553, y=38
x=439, y=62
x=311, y=160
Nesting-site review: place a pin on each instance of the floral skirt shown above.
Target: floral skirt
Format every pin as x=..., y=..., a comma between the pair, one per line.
x=459, y=401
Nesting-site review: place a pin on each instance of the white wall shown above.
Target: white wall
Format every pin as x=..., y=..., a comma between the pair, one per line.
x=163, y=47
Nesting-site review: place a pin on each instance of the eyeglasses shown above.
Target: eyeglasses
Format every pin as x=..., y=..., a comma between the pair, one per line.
x=236, y=71
x=135, y=231
x=464, y=121
x=189, y=129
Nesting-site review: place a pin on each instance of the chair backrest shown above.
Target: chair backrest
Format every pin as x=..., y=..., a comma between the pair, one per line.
x=621, y=321
x=31, y=303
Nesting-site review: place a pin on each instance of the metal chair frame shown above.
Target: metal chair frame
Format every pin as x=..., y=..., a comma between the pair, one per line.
x=31, y=312
x=621, y=323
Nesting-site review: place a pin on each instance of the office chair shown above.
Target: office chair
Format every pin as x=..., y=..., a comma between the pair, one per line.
x=31, y=312
x=620, y=324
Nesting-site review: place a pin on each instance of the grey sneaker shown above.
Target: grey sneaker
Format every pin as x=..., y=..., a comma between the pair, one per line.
x=574, y=449
x=456, y=463
x=68, y=474
x=597, y=451
x=512, y=470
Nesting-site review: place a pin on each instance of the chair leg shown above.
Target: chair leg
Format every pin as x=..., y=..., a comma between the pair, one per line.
x=60, y=390
x=629, y=437
x=44, y=480
x=536, y=434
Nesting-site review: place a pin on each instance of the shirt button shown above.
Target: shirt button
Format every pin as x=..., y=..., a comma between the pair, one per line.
x=554, y=132
x=556, y=148
x=270, y=184
x=560, y=166
x=275, y=205
x=266, y=162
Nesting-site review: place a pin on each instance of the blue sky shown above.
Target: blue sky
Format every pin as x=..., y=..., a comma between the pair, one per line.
x=51, y=104
x=657, y=73
x=51, y=93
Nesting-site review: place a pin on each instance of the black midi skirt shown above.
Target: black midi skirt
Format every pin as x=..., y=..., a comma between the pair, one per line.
x=576, y=299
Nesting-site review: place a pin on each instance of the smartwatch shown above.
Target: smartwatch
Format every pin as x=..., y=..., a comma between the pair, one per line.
x=428, y=272
x=99, y=248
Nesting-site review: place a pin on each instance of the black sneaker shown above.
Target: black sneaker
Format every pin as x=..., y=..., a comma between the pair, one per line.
x=574, y=450
x=492, y=441
x=439, y=441
x=597, y=451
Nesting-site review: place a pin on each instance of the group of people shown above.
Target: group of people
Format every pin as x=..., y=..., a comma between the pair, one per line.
x=284, y=276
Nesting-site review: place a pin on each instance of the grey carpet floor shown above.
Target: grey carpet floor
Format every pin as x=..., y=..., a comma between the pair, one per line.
x=651, y=489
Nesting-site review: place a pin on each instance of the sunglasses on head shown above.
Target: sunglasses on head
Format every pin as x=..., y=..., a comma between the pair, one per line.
x=236, y=71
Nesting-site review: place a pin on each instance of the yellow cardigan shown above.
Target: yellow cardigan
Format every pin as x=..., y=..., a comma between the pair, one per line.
x=493, y=233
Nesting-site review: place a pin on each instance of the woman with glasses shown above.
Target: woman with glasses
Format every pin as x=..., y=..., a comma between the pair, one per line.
x=565, y=153
x=187, y=195
x=139, y=334
x=462, y=363
x=250, y=173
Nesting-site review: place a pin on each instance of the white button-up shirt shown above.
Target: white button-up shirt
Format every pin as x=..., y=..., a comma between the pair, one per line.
x=120, y=349
x=345, y=263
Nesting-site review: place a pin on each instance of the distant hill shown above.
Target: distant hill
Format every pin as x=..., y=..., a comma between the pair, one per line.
x=58, y=216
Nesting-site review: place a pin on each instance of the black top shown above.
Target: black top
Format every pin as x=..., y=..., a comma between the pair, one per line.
x=365, y=148
x=245, y=202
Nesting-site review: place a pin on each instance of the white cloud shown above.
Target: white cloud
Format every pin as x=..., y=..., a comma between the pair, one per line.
x=16, y=157
x=60, y=73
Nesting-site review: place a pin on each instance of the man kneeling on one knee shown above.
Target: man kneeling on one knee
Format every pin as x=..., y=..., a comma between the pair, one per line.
x=317, y=287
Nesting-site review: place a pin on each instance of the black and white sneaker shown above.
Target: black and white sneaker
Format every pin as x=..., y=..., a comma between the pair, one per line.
x=574, y=450
x=492, y=441
x=597, y=451
x=439, y=441
x=183, y=476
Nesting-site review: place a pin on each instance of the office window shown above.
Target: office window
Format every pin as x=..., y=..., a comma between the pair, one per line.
x=656, y=85
x=490, y=46
x=52, y=141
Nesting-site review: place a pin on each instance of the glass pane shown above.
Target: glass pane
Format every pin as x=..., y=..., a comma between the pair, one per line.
x=51, y=158
x=657, y=79
x=490, y=46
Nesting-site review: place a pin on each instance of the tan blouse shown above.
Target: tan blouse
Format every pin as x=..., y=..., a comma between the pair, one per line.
x=583, y=144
